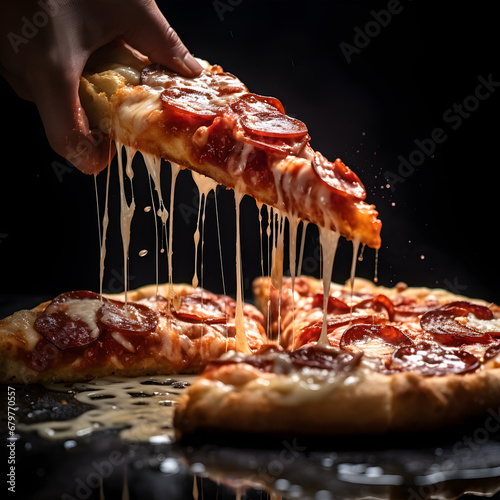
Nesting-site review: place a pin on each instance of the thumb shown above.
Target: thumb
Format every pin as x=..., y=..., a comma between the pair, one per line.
x=153, y=36
x=67, y=127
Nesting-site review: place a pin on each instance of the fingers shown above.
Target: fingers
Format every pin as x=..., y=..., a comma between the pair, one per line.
x=56, y=67
x=67, y=128
x=154, y=37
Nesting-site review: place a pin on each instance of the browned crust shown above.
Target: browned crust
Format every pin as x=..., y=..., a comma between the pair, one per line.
x=376, y=404
x=12, y=372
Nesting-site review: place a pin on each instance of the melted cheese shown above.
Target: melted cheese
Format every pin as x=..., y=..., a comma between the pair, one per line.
x=204, y=185
x=483, y=325
x=174, y=169
x=123, y=341
x=355, y=250
x=126, y=210
x=85, y=310
x=21, y=325
x=241, y=338
x=329, y=240
x=302, y=245
x=292, y=247
x=142, y=407
x=131, y=75
x=277, y=258
x=133, y=113
x=104, y=232
x=153, y=165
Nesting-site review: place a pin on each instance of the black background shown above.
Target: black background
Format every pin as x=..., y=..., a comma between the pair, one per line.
x=439, y=222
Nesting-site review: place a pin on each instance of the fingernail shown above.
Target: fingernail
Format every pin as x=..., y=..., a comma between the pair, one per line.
x=192, y=65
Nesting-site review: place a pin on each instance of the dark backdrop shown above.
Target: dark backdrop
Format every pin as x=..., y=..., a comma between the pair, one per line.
x=393, y=96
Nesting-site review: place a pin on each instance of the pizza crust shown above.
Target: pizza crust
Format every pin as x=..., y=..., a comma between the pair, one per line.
x=108, y=70
x=279, y=404
x=419, y=294
x=429, y=403
x=236, y=398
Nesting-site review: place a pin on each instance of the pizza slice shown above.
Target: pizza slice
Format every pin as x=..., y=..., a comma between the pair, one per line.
x=215, y=126
x=82, y=335
x=396, y=360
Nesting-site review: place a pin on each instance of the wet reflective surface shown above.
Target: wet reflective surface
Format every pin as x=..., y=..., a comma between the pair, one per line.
x=111, y=463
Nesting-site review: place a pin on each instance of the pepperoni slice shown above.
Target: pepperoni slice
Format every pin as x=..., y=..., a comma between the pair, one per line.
x=410, y=311
x=43, y=354
x=214, y=79
x=130, y=318
x=57, y=304
x=312, y=332
x=263, y=359
x=338, y=176
x=492, y=352
x=158, y=303
x=265, y=116
x=378, y=302
x=203, y=97
x=329, y=359
x=156, y=75
x=274, y=359
x=190, y=101
x=441, y=323
x=334, y=306
x=433, y=360
x=202, y=308
x=64, y=330
x=337, y=306
x=363, y=333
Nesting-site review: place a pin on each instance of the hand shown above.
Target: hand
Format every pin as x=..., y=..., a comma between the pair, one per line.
x=45, y=44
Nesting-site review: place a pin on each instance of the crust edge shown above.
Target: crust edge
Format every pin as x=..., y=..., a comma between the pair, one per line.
x=377, y=404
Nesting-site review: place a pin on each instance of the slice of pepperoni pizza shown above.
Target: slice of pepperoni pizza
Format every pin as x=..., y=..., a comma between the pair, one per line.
x=396, y=360
x=82, y=335
x=214, y=125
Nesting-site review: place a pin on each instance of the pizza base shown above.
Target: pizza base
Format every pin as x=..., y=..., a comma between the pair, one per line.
x=236, y=398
